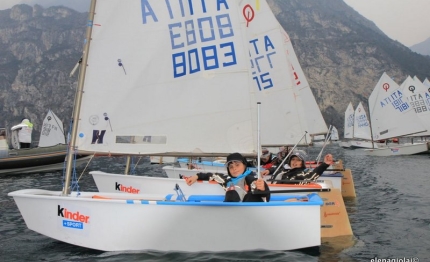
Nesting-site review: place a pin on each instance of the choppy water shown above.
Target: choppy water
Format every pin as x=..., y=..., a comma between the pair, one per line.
x=390, y=217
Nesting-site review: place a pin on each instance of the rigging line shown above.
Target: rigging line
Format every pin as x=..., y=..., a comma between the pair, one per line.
x=286, y=157
x=325, y=143
x=85, y=168
x=138, y=160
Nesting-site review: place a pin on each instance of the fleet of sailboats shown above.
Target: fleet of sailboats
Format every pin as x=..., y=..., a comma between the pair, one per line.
x=396, y=111
x=154, y=73
x=357, y=128
x=392, y=116
x=153, y=77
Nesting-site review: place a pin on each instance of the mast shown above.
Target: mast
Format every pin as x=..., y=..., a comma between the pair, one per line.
x=78, y=99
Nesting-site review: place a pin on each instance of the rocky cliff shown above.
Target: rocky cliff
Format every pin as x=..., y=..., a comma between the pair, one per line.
x=342, y=54
x=38, y=49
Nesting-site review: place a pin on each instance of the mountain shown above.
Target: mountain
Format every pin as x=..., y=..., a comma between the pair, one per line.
x=38, y=49
x=342, y=54
x=422, y=48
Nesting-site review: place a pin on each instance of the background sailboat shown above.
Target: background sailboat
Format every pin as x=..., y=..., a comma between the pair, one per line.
x=334, y=137
x=392, y=116
x=142, y=57
x=48, y=155
x=52, y=131
x=348, y=129
x=362, y=130
x=418, y=96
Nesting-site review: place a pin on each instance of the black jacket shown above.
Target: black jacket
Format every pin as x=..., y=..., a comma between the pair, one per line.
x=224, y=179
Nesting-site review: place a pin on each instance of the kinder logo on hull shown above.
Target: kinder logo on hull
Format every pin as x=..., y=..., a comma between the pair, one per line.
x=129, y=189
x=77, y=220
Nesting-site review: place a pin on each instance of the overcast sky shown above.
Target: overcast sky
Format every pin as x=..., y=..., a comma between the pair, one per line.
x=407, y=21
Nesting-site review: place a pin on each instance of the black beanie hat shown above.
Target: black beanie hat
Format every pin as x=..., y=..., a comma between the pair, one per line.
x=236, y=157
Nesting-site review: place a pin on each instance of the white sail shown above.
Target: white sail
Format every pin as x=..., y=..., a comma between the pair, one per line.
x=135, y=119
x=349, y=122
x=305, y=101
x=390, y=113
x=177, y=84
x=418, y=97
x=271, y=76
x=52, y=132
x=426, y=82
x=361, y=124
x=334, y=134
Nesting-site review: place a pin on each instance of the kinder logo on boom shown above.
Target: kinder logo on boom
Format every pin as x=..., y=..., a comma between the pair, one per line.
x=77, y=219
x=127, y=189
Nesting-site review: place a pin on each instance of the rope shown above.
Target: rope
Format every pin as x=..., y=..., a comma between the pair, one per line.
x=89, y=161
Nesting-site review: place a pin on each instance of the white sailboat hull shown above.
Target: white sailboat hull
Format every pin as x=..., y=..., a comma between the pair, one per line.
x=111, y=183
x=399, y=150
x=345, y=144
x=120, y=222
x=357, y=144
x=364, y=144
x=178, y=172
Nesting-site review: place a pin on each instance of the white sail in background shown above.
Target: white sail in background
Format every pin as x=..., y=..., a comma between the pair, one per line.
x=390, y=113
x=52, y=132
x=361, y=124
x=334, y=134
x=426, y=82
x=305, y=101
x=349, y=122
x=270, y=75
x=418, y=98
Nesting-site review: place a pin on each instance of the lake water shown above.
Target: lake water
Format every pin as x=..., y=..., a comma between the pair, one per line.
x=390, y=217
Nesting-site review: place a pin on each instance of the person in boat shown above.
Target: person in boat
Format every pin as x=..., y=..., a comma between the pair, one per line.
x=267, y=159
x=296, y=169
x=24, y=134
x=239, y=183
x=283, y=152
